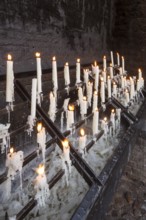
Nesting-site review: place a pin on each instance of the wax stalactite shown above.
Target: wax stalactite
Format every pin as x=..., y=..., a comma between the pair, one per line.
x=52, y=106
x=41, y=139
x=4, y=137
x=89, y=92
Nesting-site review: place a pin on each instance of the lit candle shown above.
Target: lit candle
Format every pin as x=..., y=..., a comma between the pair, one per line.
x=9, y=80
x=104, y=75
x=132, y=89
x=95, y=70
x=89, y=92
x=109, y=87
x=83, y=107
x=138, y=85
x=139, y=74
x=95, y=101
x=111, y=71
x=122, y=82
x=41, y=187
x=104, y=126
x=82, y=140
x=104, y=63
x=70, y=116
x=33, y=98
x=112, y=119
x=41, y=139
x=54, y=73
x=127, y=99
x=80, y=94
x=102, y=91
x=86, y=75
x=114, y=89
x=78, y=71
x=118, y=59
x=112, y=58
x=66, y=74
x=66, y=150
x=52, y=107
x=123, y=65
x=95, y=121
x=120, y=71
x=39, y=75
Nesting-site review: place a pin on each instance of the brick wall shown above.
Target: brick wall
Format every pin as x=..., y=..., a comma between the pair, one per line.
x=67, y=29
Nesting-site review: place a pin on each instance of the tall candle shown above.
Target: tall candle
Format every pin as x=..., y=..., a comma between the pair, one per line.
x=78, y=71
x=114, y=89
x=9, y=80
x=123, y=65
x=86, y=75
x=95, y=70
x=33, y=98
x=112, y=119
x=104, y=63
x=66, y=74
x=41, y=139
x=95, y=101
x=39, y=73
x=80, y=94
x=102, y=91
x=111, y=71
x=70, y=116
x=95, y=121
x=83, y=107
x=82, y=140
x=138, y=85
x=127, y=99
x=104, y=75
x=112, y=58
x=89, y=92
x=139, y=73
x=54, y=73
x=132, y=89
x=66, y=150
x=109, y=87
x=118, y=59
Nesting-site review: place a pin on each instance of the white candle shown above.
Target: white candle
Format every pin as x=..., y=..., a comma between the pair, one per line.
x=112, y=58
x=104, y=63
x=112, y=119
x=41, y=187
x=52, y=106
x=9, y=80
x=120, y=71
x=118, y=59
x=78, y=71
x=122, y=82
x=138, y=85
x=66, y=74
x=111, y=71
x=66, y=150
x=95, y=70
x=86, y=75
x=83, y=107
x=102, y=91
x=123, y=65
x=139, y=74
x=54, y=73
x=104, y=126
x=41, y=139
x=95, y=101
x=132, y=89
x=33, y=98
x=80, y=94
x=114, y=89
x=39, y=73
x=82, y=140
x=127, y=99
x=104, y=75
x=70, y=116
x=89, y=92
x=109, y=87
x=95, y=121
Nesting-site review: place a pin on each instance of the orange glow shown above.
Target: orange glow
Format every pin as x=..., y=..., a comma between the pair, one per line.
x=139, y=70
x=41, y=169
x=95, y=63
x=54, y=59
x=66, y=64
x=110, y=64
x=65, y=143
x=9, y=57
x=78, y=60
x=37, y=54
x=113, y=111
x=122, y=58
x=104, y=57
x=105, y=119
x=82, y=132
x=71, y=107
x=39, y=126
x=11, y=150
x=95, y=93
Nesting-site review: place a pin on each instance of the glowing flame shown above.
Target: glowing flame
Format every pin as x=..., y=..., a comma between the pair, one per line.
x=39, y=126
x=65, y=143
x=96, y=109
x=95, y=93
x=9, y=57
x=105, y=119
x=101, y=78
x=41, y=169
x=122, y=58
x=84, y=98
x=71, y=107
x=37, y=54
x=11, y=150
x=78, y=60
x=104, y=57
x=139, y=70
x=113, y=111
x=54, y=59
x=95, y=63
x=82, y=132
x=111, y=65
x=117, y=54
x=66, y=64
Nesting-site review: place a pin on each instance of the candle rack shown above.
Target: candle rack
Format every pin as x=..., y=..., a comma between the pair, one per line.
x=100, y=186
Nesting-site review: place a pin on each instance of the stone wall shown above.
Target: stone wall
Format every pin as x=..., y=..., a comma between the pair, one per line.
x=129, y=33
x=67, y=29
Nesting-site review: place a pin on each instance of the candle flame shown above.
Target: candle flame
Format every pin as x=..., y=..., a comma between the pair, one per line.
x=111, y=65
x=113, y=111
x=122, y=58
x=82, y=132
x=84, y=98
x=95, y=63
x=39, y=126
x=78, y=60
x=65, y=143
x=37, y=54
x=95, y=93
x=54, y=58
x=101, y=78
x=71, y=107
x=11, y=150
x=105, y=119
x=41, y=169
x=104, y=57
x=66, y=64
x=9, y=57
x=96, y=109
x=117, y=54
x=139, y=70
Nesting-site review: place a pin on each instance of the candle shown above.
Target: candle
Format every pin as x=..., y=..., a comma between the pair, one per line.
x=33, y=98
x=109, y=87
x=95, y=121
x=95, y=101
x=104, y=75
x=104, y=63
x=118, y=59
x=5, y=137
x=86, y=75
x=39, y=73
x=139, y=74
x=70, y=116
x=66, y=74
x=52, y=107
x=83, y=107
x=122, y=82
x=112, y=58
x=89, y=92
x=123, y=65
x=66, y=150
x=54, y=73
x=114, y=89
x=112, y=119
x=132, y=89
x=104, y=126
x=41, y=187
x=120, y=71
x=78, y=71
x=111, y=71
x=95, y=70
x=41, y=139
x=138, y=85
x=9, y=80
x=82, y=141
x=102, y=91
x=80, y=94
x=118, y=114
x=127, y=99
